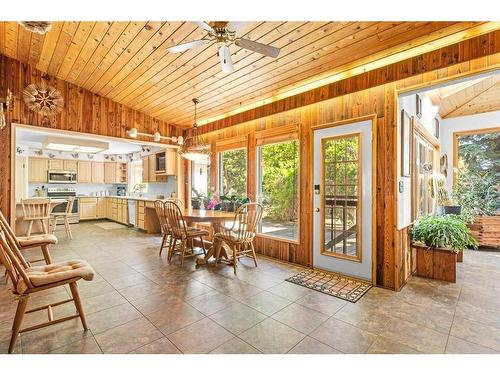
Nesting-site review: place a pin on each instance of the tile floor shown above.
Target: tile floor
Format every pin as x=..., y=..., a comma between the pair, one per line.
x=138, y=303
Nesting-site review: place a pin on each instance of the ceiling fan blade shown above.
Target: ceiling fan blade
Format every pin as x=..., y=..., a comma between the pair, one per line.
x=205, y=26
x=225, y=59
x=235, y=26
x=185, y=46
x=263, y=49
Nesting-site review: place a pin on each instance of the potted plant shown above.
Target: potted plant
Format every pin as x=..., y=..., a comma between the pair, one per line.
x=439, y=192
x=196, y=200
x=437, y=240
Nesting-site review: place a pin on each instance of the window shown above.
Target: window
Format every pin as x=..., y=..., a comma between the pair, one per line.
x=200, y=178
x=233, y=172
x=424, y=167
x=341, y=198
x=479, y=151
x=277, y=188
x=135, y=175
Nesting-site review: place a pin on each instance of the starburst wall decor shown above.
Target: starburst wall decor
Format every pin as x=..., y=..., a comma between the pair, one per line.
x=43, y=99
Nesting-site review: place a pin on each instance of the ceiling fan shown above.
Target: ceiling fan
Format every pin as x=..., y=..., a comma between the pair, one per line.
x=224, y=34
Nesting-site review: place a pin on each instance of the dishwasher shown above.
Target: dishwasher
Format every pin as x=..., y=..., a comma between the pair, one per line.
x=131, y=212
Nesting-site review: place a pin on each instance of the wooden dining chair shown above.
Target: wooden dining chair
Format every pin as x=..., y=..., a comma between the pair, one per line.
x=28, y=280
x=54, y=216
x=165, y=230
x=43, y=241
x=36, y=209
x=239, y=236
x=181, y=232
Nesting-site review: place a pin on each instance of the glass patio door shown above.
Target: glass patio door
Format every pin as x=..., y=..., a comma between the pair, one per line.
x=343, y=186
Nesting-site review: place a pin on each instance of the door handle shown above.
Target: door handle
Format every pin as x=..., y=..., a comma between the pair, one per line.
x=317, y=209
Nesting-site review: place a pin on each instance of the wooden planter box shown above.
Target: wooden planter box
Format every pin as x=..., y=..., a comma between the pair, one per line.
x=436, y=263
x=486, y=230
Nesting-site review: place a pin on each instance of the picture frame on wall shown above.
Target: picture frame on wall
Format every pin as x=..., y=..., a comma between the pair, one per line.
x=436, y=127
x=418, y=107
x=406, y=140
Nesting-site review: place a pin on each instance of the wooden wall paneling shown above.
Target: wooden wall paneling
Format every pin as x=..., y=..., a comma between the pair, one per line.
x=370, y=93
x=83, y=111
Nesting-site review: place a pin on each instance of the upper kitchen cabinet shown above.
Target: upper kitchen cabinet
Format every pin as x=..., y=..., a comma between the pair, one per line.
x=56, y=165
x=166, y=162
x=109, y=173
x=152, y=168
x=37, y=169
x=171, y=161
x=97, y=172
x=84, y=172
x=145, y=169
x=70, y=165
x=121, y=173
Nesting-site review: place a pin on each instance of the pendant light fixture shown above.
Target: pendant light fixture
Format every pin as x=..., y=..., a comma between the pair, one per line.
x=194, y=147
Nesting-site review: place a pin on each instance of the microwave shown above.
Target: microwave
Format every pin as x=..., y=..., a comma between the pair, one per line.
x=61, y=177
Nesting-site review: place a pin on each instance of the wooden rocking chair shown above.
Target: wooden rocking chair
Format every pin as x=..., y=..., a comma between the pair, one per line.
x=27, y=280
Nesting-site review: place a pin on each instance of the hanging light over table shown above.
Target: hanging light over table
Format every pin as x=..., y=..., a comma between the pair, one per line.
x=194, y=148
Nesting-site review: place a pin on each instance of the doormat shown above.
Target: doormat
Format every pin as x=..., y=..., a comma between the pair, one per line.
x=332, y=284
x=110, y=225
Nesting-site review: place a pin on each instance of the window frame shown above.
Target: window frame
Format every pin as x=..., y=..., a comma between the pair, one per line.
x=422, y=135
x=263, y=141
x=192, y=175
x=220, y=175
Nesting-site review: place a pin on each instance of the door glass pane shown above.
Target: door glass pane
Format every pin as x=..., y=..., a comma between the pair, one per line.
x=341, y=200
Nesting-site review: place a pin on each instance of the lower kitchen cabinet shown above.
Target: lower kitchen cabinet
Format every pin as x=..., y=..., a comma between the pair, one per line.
x=88, y=208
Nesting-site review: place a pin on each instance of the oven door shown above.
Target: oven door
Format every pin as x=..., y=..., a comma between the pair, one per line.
x=61, y=177
x=75, y=214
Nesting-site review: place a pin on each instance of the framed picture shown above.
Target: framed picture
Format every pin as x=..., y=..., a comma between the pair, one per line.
x=436, y=127
x=406, y=140
x=418, y=107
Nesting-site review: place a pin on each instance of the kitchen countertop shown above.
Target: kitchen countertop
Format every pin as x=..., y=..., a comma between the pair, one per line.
x=120, y=197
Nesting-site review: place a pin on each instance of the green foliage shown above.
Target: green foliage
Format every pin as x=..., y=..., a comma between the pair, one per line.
x=477, y=192
x=481, y=152
x=279, y=180
x=234, y=172
x=445, y=231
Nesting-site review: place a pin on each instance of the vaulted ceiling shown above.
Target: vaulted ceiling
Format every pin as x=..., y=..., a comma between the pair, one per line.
x=469, y=97
x=128, y=61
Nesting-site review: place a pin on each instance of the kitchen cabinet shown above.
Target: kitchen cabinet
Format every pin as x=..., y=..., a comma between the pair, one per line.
x=97, y=172
x=37, y=169
x=101, y=208
x=121, y=173
x=56, y=165
x=145, y=169
x=171, y=161
x=70, y=165
x=88, y=208
x=110, y=173
x=84, y=174
x=152, y=168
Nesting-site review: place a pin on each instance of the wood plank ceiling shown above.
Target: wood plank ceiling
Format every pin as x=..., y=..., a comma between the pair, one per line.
x=127, y=61
x=468, y=97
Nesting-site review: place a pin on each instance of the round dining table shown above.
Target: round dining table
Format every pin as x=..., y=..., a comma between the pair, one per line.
x=216, y=218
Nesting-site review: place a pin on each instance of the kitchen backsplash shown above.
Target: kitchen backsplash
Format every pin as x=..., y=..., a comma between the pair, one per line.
x=154, y=188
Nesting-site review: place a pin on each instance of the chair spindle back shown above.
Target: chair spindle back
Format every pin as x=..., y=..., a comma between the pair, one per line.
x=36, y=208
x=175, y=220
x=246, y=221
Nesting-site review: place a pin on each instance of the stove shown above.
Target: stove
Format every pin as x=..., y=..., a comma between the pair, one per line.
x=64, y=193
